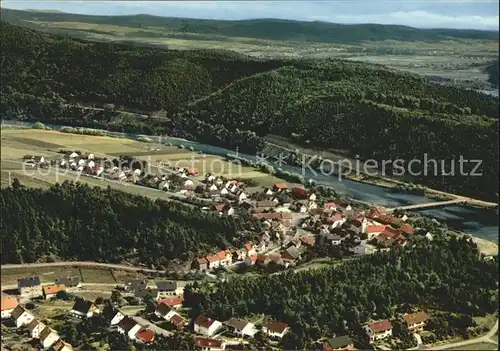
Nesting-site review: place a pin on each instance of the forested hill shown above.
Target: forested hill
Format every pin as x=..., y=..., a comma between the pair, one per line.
x=270, y=29
x=76, y=222
x=232, y=100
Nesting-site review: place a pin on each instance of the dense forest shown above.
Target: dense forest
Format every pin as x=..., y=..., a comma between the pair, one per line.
x=447, y=276
x=270, y=29
x=231, y=100
x=76, y=222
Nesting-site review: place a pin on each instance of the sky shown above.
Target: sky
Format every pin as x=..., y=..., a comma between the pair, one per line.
x=472, y=14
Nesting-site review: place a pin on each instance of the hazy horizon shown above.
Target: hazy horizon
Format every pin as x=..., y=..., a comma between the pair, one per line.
x=478, y=15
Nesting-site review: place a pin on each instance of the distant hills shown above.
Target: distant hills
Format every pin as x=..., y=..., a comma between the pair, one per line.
x=268, y=29
x=228, y=99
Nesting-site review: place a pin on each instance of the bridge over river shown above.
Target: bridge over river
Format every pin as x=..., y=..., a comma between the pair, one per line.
x=456, y=201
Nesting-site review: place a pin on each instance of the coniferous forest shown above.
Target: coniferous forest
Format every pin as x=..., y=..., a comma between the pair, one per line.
x=76, y=222
x=442, y=276
x=230, y=100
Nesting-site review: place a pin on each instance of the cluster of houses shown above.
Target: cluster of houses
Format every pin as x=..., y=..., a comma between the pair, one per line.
x=209, y=328
x=31, y=287
x=382, y=329
x=48, y=337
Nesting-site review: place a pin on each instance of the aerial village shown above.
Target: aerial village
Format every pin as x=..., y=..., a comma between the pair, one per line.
x=164, y=314
x=294, y=220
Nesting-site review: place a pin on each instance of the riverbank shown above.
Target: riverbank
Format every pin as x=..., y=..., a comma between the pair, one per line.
x=276, y=148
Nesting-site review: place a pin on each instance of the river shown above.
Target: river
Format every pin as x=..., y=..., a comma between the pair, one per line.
x=478, y=222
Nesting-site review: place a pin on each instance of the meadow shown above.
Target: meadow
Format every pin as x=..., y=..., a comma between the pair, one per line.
x=17, y=143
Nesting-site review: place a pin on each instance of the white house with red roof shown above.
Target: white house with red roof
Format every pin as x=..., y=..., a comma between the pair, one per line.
x=206, y=326
x=336, y=221
x=378, y=330
x=275, y=329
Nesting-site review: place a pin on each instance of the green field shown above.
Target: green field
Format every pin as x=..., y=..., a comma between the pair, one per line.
x=477, y=347
x=17, y=143
x=47, y=274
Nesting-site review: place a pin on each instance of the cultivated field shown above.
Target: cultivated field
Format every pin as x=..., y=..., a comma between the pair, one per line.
x=462, y=60
x=17, y=143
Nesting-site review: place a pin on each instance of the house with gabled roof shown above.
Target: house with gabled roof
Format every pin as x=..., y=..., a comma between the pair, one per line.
x=279, y=187
x=69, y=282
x=21, y=316
x=241, y=327
x=48, y=337
x=61, y=345
x=206, y=326
x=168, y=288
x=145, y=335
x=339, y=343
x=8, y=304
x=129, y=327
x=416, y=321
x=164, y=311
x=36, y=327
x=209, y=344
x=84, y=309
x=118, y=316
x=173, y=302
x=275, y=329
x=134, y=284
x=178, y=321
x=51, y=291
x=378, y=330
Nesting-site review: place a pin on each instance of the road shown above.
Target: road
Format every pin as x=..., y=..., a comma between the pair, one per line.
x=485, y=338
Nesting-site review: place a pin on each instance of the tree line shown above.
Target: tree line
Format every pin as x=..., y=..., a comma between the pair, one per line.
x=233, y=101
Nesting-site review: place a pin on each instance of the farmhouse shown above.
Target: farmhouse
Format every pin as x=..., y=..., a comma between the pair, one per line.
x=29, y=287
x=48, y=337
x=209, y=344
x=168, y=288
x=416, y=321
x=178, y=321
x=36, y=327
x=241, y=327
x=202, y=264
x=84, y=309
x=378, y=330
x=50, y=291
x=21, y=316
x=206, y=326
x=275, y=329
x=9, y=303
x=339, y=343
